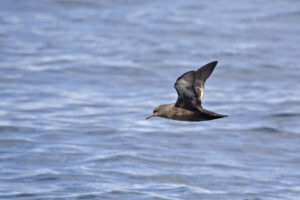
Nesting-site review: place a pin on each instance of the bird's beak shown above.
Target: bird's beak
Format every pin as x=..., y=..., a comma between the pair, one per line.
x=149, y=116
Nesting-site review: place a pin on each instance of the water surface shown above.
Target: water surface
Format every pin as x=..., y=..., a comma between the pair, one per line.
x=78, y=78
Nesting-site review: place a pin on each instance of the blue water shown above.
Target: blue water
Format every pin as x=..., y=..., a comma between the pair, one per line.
x=78, y=78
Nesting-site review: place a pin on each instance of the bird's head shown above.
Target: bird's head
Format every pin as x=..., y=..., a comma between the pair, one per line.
x=158, y=111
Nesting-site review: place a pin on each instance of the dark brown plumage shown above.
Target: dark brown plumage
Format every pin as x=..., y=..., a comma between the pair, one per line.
x=190, y=90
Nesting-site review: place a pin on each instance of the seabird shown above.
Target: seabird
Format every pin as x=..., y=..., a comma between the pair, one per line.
x=190, y=90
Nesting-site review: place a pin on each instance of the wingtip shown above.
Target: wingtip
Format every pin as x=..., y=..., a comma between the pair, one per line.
x=214, y=62
x=205, y=71
x=210, y=65
x=221, y=116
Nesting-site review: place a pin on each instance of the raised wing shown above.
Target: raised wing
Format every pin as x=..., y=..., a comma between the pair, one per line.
x=187, y=97
x=190, y=87
x=201, y=76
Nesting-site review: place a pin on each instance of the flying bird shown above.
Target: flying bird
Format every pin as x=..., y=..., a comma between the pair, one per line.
x=190, y=90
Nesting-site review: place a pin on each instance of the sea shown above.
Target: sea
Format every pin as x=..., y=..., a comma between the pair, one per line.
x=79, y=77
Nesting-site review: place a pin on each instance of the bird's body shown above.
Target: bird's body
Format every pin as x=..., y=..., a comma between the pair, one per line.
x=190, y=89
x=170, y=111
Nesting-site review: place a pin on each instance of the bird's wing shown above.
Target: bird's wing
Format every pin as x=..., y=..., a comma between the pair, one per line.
x=187, y=97
x=201, y=76
x=190, y=87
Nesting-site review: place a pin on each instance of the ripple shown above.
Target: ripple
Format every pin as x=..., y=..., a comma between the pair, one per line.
x=12, y=129
x=286, y=115
x=133, y=159
x=267, y=130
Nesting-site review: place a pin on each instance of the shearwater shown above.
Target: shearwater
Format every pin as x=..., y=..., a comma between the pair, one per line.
x=190, y=89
